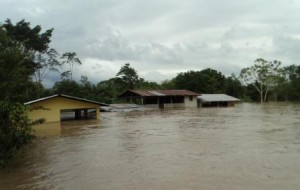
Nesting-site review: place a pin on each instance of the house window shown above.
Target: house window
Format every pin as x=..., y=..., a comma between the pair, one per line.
x=191, y=98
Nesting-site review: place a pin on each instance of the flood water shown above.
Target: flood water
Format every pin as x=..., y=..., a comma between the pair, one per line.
x=248, y=146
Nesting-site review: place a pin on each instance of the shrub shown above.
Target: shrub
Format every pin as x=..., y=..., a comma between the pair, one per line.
x=15, y=129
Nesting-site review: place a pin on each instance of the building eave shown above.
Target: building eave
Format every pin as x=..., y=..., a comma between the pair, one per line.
x=64, y=96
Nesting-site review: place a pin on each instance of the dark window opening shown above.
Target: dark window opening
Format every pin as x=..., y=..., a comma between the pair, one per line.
x=77, y=114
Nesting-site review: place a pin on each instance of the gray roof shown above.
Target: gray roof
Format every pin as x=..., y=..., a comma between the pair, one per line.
x=217, y=98
x=64, y=96
x=153, y=93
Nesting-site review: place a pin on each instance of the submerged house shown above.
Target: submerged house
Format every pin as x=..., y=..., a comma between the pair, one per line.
x=61, y=107
x=216, y=100
x=161, y=98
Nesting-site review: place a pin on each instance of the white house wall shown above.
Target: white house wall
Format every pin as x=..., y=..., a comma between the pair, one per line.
x=190, y=103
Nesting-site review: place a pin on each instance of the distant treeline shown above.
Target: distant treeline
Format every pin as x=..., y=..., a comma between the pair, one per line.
x=207, y=81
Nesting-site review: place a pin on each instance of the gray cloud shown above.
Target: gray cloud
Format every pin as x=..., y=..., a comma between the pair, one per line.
x=162, y=38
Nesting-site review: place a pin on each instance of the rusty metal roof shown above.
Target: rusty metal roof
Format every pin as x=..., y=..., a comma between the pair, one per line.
x=164, y=92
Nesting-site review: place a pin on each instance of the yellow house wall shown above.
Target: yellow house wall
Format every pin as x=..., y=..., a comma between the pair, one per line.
x=190, y=104
x=54, y=105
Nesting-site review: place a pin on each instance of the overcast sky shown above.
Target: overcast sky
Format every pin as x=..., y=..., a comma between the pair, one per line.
x=161, y=38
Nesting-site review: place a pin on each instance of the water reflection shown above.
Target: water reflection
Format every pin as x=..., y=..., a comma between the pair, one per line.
x=245, y=147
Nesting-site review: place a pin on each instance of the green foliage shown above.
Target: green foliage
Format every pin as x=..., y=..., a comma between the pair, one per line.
x=263, y=75
x=68, y=87
x=291, y=87
x=16, y=67
x=15, y=129
x=24, y=53
x=31, y=38
x=168, y=84
x=36, y=45
x=127, y=78
x=233, y=87
x=205, y=81
x=147, y=85
x=87, y=89
x=107, y=91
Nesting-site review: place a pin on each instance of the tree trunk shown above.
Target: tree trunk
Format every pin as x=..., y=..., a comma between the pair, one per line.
x=266, y=95
x=261, y=94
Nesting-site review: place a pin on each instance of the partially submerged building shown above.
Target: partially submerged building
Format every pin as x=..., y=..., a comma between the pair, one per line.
x=61, y=107
x=216, y=100
x=161, y=98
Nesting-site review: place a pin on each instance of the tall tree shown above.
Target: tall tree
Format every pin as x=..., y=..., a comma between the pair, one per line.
x=264, y=75
x=36, y=44
x=128, y=77
x=70, y=58
x=46, y=62
x=31, y=38
x=16, y=69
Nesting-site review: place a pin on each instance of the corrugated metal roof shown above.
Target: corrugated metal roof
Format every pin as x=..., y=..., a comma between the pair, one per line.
x=217, y=98
x=157, y=93
x=64, y=96
x=164, y=92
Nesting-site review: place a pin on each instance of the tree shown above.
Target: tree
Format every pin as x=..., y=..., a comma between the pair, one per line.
x=292, y=85
x=107, y=91
x=87, y=89
x=16, y=69
x=71, y=59
x=204, y=81
x=68, y=87
x=264, y=75
x=46, y=62
x=147, y=85
x=15, y=129
x=127, y=77
x=167, y=84
x=31, y=39
x=36, y=44
x=233, y=87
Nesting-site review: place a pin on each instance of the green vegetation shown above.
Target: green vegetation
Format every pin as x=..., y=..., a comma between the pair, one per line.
x=264, y=76
x=15, y=130
x=264, y=81
x=25, y=61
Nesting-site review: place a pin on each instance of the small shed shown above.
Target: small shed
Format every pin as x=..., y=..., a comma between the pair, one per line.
x=216, y=100
x=161, y=98
x=61, y=107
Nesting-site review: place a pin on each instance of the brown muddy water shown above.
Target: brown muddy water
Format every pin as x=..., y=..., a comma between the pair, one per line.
x=248, y=146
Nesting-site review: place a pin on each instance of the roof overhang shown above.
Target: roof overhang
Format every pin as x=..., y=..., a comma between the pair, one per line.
x=217, y=98
x=157, y=93
x=64, y=96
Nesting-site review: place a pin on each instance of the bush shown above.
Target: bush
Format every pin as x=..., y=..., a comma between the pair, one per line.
x=15, y=129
